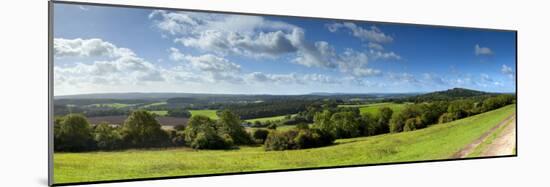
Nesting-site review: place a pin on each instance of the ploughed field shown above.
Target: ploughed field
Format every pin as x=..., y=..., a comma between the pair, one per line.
x=439, y=141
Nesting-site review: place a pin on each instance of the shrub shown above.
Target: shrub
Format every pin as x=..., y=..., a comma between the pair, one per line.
x=280, y=140
x=197, y=124
x=297, y=139
x=303, y=126
x=107, y=137
x=178, y=138
x=411, y=124
x=210, y=140
x=179, y=127
x=260, y=135
x=271, y=125
x=141, y=129
x=73, y=133
x=447, y=117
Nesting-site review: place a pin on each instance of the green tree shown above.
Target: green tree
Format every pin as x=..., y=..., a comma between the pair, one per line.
x=107, y=137
x=229, y=123
x=141, y=129
x=73, y=133
x=346, y=125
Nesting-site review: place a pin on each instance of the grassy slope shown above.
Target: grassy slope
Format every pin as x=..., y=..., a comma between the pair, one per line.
x=485, y=144
x=209, y=113
x=272, y=118
x=435, y=142
x=160, y=112
x=373, y=108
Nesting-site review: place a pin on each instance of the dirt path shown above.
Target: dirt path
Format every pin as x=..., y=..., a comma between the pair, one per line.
x=504, y=144
x=471, y=147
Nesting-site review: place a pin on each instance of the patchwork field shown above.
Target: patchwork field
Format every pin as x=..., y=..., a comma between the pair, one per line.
x=407, y=146
x=208, y=113
x=373, y=108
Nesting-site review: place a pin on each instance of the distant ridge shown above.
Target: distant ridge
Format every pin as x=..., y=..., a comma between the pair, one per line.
x=454, y=93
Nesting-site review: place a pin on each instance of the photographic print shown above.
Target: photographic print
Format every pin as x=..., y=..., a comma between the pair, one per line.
x=150, y=93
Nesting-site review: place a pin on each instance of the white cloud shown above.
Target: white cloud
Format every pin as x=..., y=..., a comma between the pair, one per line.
x=374, y=34
x=482, y=50
x=87, y=48
x=376, y=55
x=206, y=62
x=507, y=71
x=256, y=37
x=375, y=46
x=290, y=78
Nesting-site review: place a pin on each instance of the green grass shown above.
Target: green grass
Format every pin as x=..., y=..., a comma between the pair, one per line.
x=208, y=113
x=159, y=112
x=374, y=108
x=435, y=142
x=153, y=104
x=272, y=118
x=488, y=141
x=112, y=105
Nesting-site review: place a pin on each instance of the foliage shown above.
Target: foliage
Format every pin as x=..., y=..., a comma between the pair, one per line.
x=260, y=135
x=73, y=133
x=297, y=139
x=229, y=123
x=107, y=137
x=141, y=129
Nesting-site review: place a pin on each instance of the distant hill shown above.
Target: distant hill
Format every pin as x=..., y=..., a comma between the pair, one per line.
x=450, y=94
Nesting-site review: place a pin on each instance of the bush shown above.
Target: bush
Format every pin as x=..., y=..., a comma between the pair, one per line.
x=177, y=138
x=447, y=117
x=260, y=135
x=271, y=125
x=412, y=124
x=142, y=130
x=210, y=140
x=196, y=125
x=179, y=127
x=73, y=133
x=297, y=139
x=280, y=140
x=303, y=126
x=107, y=137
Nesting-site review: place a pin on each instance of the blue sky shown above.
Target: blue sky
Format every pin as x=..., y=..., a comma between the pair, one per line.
x=113, y=49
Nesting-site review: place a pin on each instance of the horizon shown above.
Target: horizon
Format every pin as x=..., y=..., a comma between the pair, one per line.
x=311, y=93
x=134, y=50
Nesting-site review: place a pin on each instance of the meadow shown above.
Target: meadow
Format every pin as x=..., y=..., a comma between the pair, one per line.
x=208, y=113
x=417, y=145
x=374, y=108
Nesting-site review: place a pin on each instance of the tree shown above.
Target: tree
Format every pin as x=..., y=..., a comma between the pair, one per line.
x=260, y=135
x=383, y=123
x=346, y=125
x=73, y=133
x=202, y=133
x=141, y=129
x=322, y=121
x=229, y=123
x=107, y=137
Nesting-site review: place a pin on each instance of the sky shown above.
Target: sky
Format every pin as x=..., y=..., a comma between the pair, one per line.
x=115, y=49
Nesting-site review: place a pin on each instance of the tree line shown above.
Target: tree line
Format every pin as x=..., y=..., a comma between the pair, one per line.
x=329, y=122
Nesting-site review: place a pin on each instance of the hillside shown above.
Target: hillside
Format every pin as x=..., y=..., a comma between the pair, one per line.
x=450, y=94
x=387, y=148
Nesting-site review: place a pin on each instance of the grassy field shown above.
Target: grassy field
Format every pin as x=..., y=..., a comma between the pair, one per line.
x=435, y=142
x=112, y=105
x=373, y=108
x=273, y=118
x=160, y=112
x=154, y=104
x=208, y=113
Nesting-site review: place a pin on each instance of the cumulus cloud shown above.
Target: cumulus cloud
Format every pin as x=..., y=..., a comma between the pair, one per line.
x=375, y=46
x=478, y=50
x=374, y=34
x=122, y=65
x=93, y=47
x=507, y=70
x=254, y=36
x=382, y=55
x=290, y=78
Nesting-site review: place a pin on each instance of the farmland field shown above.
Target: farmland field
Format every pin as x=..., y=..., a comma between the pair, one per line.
x=208, y=113
x=373, y=108
x=416, y=145
x=159, y=112
x=273, y=118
